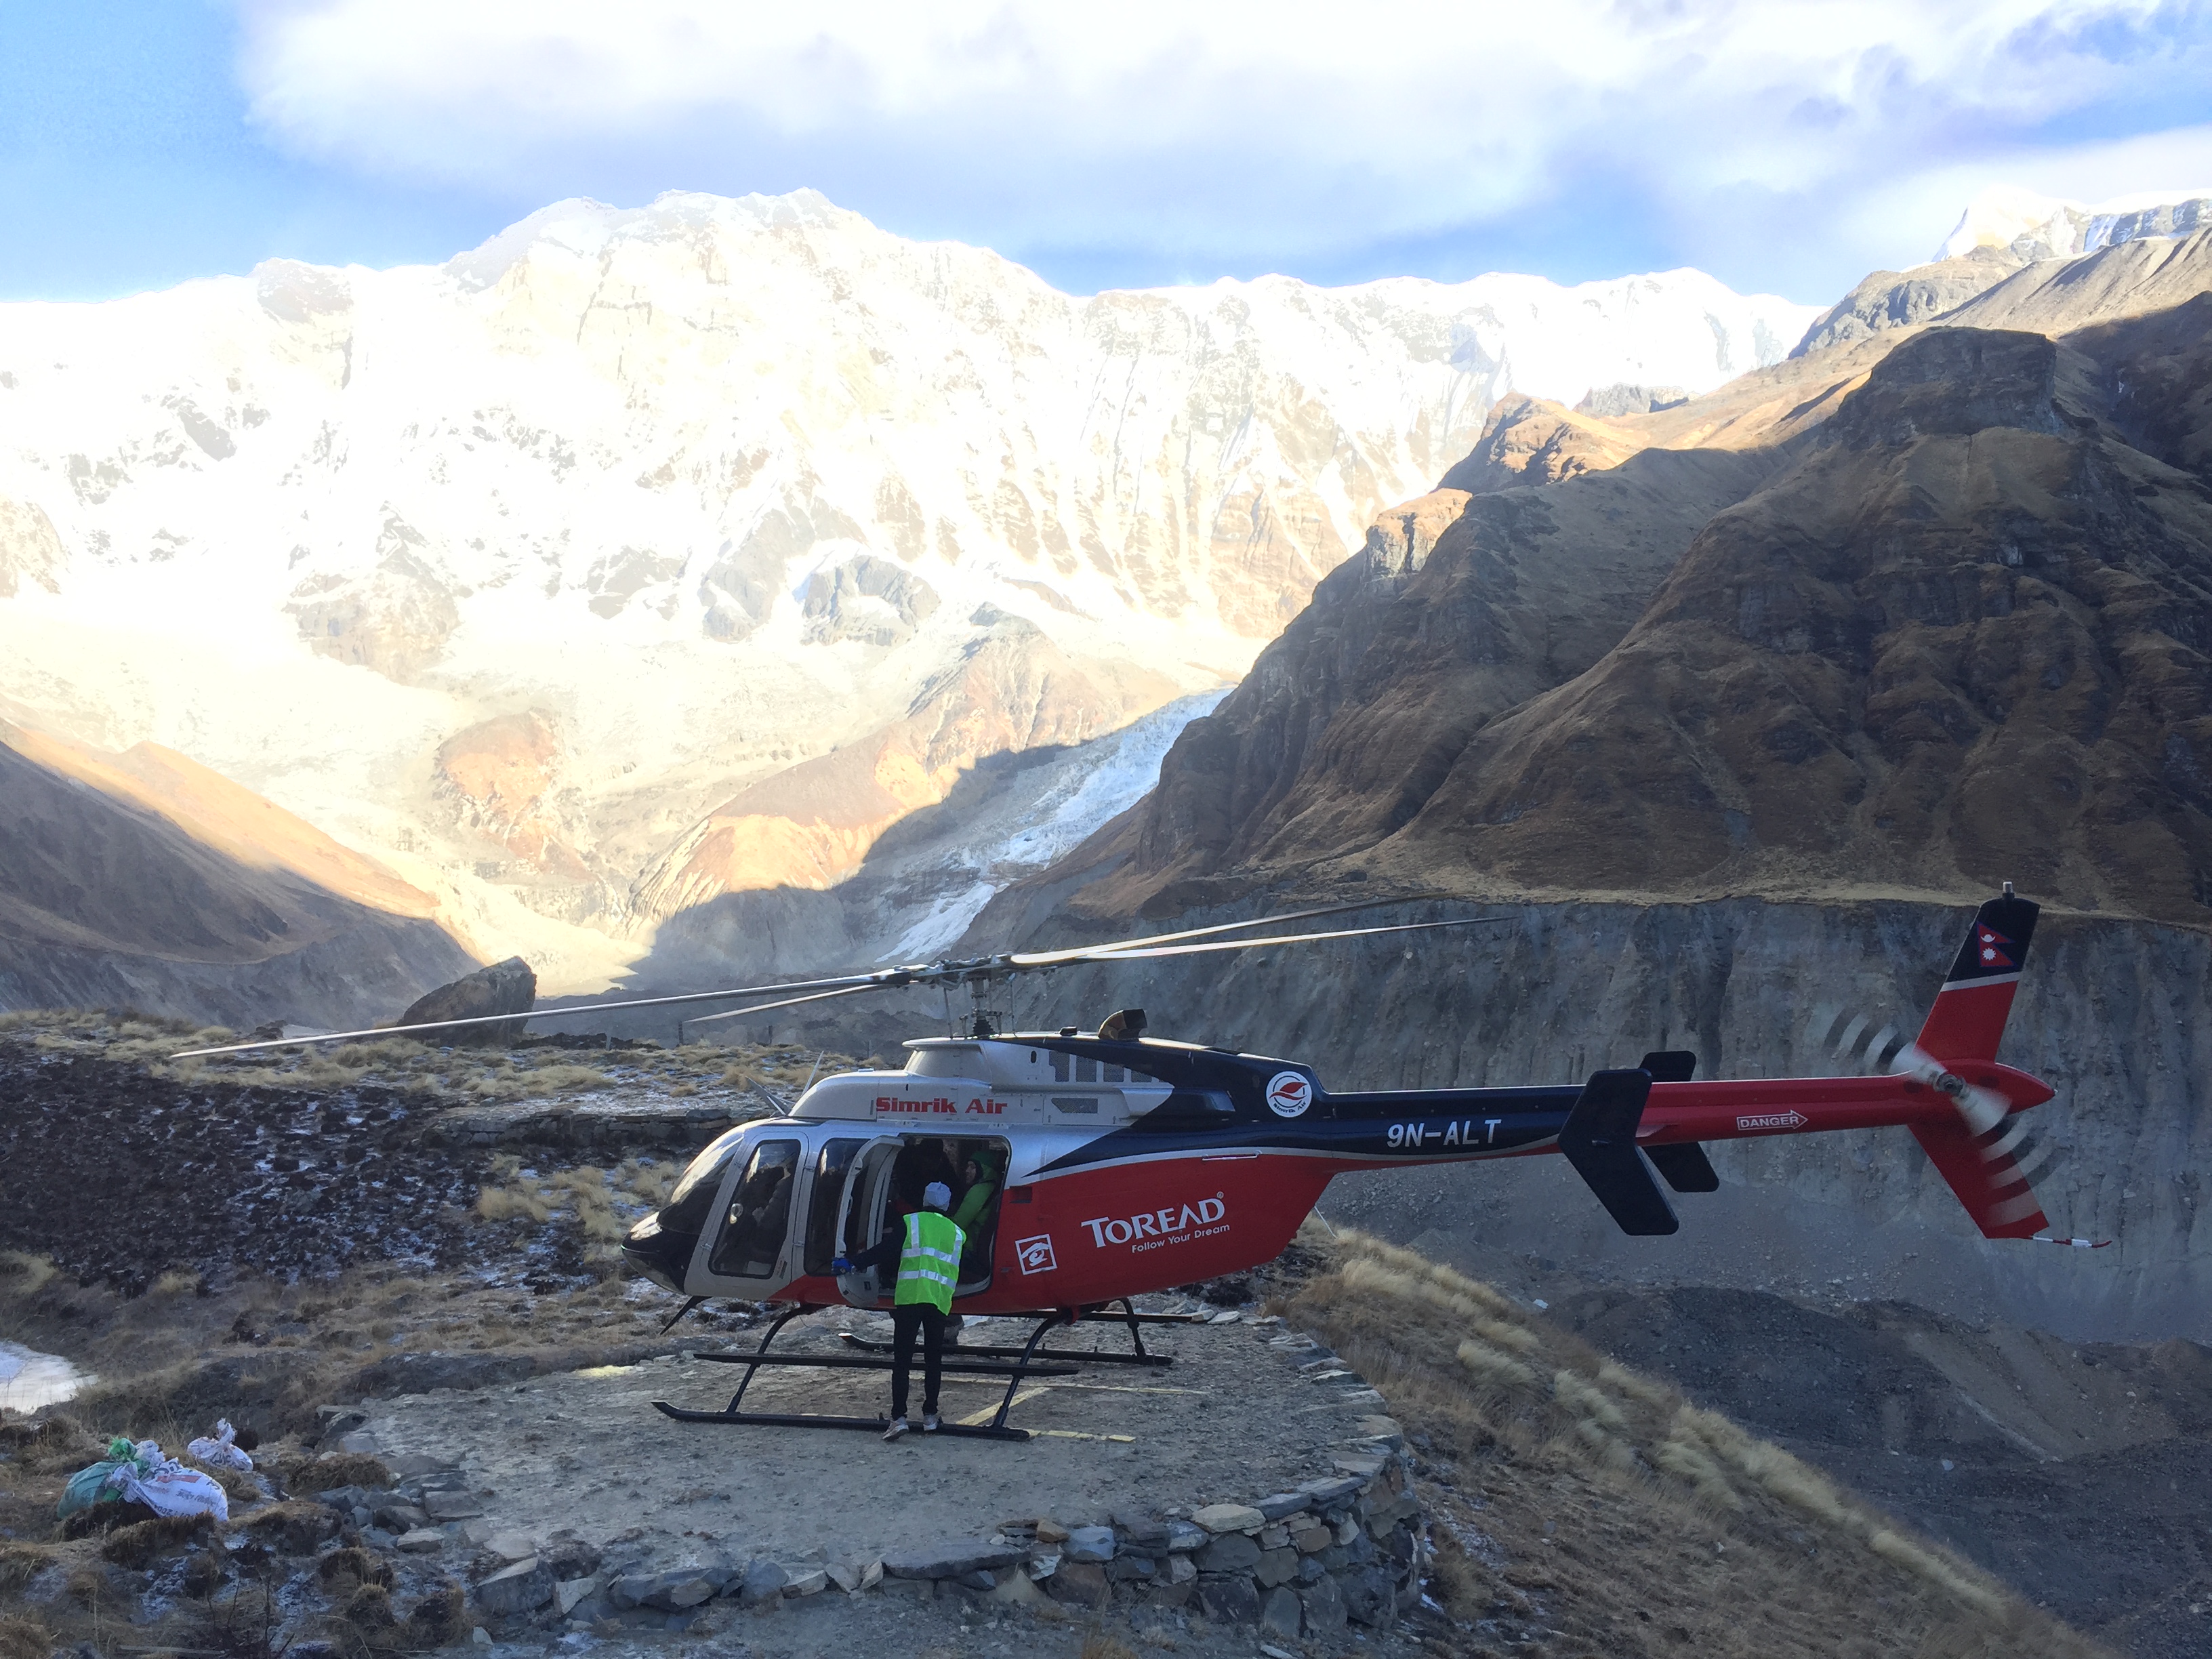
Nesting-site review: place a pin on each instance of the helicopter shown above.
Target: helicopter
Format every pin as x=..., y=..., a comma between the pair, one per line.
x=1127, y=1163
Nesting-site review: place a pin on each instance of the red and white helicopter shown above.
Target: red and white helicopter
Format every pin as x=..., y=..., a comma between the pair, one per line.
x=1129, y=1164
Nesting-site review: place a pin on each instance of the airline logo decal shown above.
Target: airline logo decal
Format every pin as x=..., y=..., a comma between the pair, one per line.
x=1993, y=948
x=939, y=1106
x=1774, y=1121
x=1288, y=1094
x=1171, y=1223
x=1035, y=1254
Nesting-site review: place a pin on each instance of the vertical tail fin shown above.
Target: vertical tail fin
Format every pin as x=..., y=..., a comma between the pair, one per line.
x=1969, y=1015
x=1986, y=1166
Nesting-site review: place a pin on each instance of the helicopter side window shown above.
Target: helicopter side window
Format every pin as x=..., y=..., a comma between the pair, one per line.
x=751, y=1239
x=829, y=1173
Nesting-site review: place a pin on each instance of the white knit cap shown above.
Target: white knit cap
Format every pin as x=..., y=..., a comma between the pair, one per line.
x=936, y=1196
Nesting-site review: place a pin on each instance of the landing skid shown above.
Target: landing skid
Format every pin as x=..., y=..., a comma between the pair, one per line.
x=1129, y=1316
x=1021, y=1370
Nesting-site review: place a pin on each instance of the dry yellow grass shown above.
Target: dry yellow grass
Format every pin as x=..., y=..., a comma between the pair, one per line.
x=1623, y=1513
x=587, y=1197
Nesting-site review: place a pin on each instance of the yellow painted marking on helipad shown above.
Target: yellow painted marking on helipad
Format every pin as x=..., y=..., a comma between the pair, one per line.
x=1077, y=1434
x=977, y=1419
x=1122, y=1388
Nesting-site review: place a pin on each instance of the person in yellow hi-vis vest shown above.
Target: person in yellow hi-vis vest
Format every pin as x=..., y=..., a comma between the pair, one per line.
x=926, y=1247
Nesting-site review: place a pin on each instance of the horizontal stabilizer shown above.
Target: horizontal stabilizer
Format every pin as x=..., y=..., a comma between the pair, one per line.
x=1599, y=1138
x=1686, y=1168
x=1670, y=1065
x=1986, y=1177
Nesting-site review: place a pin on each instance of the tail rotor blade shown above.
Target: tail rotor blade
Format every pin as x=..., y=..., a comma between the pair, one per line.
x=1982, y=1109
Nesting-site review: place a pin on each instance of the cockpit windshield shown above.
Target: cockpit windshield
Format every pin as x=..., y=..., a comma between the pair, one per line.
x=693, y=1199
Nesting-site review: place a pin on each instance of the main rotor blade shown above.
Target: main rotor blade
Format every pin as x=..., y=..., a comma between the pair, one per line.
x=852, y=982
x=789, y=1002
x=1079, y=952
x=1280, y=939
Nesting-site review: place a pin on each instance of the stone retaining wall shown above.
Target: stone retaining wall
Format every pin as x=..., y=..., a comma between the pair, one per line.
x=1341, y=1550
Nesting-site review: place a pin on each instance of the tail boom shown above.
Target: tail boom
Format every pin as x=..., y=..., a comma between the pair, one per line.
x=1744, y=1109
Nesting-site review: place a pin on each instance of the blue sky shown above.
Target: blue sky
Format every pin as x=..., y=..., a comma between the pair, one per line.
x=1785, y=147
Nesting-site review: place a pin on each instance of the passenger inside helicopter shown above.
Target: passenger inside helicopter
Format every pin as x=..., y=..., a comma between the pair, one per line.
x=750, y=1241
x=973, y=1170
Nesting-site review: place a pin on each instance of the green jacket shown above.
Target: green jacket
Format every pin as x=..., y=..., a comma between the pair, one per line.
x=975, y=1203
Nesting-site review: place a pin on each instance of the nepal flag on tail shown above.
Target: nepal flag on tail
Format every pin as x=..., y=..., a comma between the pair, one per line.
x=1997, y=953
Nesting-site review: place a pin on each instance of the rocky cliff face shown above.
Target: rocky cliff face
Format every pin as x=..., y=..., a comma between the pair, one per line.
x=566, y=575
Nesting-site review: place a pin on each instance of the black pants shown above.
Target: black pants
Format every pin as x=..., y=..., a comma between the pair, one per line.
x=929, y=1321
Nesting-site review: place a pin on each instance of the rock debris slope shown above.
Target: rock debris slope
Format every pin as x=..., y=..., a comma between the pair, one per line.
x=636, y=558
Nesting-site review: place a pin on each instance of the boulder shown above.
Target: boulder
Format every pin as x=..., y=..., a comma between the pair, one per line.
x=1128, y=1566
x=808, y=1580
x=452, y=1505
x=421, y=1541
x=505, y=987
x=1370, y=1596
x=1184, y=1537
x=570, y=1557
x=950, y=1560
x=855, y=1573
x=1089, y=1543
x=1141, y=1529
x=1283, y=1504
x=1340, y=1490
x=1324, y=1606
x=1082, y=1583
x=1277, y=1566
x=764, y=1581
x=522, y=1588
x=685, y=1587
x=566, y=1592
x=1231, y=1553
x=1279, y=1612
x=1228, y=1598
x=1230, y=1517
x=508, y=1547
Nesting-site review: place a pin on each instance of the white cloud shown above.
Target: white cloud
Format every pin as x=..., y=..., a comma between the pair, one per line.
x=1221, y=131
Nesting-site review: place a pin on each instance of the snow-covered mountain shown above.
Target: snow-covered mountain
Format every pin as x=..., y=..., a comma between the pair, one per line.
x=2030, y=226
x=640, y=557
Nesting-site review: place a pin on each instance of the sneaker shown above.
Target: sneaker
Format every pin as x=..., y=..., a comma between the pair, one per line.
x=929, y=1422
x=897, y=1429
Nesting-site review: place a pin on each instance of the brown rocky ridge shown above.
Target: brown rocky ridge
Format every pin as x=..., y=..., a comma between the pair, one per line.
x=1912, y=615
x=144, y=878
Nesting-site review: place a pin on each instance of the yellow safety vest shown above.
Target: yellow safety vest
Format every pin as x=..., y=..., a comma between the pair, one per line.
x=929, y=1263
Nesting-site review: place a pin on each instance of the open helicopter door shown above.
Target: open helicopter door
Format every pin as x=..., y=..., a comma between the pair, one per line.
x=860, y=1215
